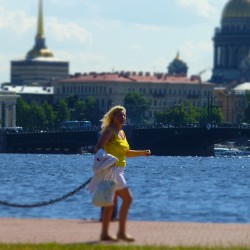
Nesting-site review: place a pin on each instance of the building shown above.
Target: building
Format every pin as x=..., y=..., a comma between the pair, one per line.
x=162, y=90
x=232, y=44
x=40, y=65
x=7, y=109
x=39, y=94
x=232, y=103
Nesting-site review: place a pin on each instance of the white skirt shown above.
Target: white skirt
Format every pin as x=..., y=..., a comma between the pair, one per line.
x=119, y=178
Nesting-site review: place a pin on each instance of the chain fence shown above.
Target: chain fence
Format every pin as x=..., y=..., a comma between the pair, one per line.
x=46, y=203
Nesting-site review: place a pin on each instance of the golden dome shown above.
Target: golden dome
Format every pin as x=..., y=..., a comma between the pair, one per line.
x=236, y=9
x=35, y=52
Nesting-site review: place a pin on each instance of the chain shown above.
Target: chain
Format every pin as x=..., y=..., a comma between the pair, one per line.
x=45, y=203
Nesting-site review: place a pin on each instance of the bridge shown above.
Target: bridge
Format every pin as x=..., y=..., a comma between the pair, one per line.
x=161, y=140
x=63, y=142
x=187, y=141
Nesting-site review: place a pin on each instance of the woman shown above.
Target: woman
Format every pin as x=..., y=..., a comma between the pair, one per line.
x=113, y=141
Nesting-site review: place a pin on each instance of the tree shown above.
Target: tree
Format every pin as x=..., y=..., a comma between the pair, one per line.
x=62, y=111
x=49, y=114
x=136, y=106
x=93, y=114
x=176, y=115
x=37, y=116
x=186, y=114
x=71, y=104
x=23, y=111
x=80, y=110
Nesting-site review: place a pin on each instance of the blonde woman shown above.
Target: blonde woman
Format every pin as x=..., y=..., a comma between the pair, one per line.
x=113, y=141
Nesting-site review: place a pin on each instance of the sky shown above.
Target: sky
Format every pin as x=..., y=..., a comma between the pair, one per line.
x=113, y=35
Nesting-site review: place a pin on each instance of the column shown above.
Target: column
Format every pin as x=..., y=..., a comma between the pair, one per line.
x=6, y=115
x=215, y=56
x=1, y=115
x=230, y=57
x=13, y=115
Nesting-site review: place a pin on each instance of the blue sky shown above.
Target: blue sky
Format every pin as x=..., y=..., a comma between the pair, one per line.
x=107, y=35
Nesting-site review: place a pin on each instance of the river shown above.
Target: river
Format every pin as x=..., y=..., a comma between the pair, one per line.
x=193, y=189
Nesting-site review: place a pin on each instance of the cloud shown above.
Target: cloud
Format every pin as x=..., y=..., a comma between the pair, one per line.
x=17, y=21
x=201, y=7
x=4, y=68
x=69, y=31
x=84, y=62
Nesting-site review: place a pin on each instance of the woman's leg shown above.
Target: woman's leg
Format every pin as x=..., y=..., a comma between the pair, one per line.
x=106, y=218
x=127, y=199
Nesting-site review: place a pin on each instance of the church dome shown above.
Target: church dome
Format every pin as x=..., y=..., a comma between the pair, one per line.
x=236, y=9
x=178, y=67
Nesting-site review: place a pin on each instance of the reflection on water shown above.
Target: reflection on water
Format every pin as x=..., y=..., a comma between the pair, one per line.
x=197, y=189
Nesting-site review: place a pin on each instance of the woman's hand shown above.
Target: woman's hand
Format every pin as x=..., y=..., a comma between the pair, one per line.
x=135, y=153
x=147, y=152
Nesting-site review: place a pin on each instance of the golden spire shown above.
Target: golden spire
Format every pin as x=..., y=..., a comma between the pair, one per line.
x=40, y=30
x=40, y=49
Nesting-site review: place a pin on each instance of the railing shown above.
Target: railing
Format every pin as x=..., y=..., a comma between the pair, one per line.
x=142, y=126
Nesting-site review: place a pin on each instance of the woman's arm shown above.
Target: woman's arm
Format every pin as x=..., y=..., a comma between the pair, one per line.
x=135, y=153
x=106, y=137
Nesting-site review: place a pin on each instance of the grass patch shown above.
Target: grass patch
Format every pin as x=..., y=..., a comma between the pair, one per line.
x=105, y=247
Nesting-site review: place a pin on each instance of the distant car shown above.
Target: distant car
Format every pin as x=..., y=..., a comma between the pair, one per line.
x=75, y=125
x=244, y=125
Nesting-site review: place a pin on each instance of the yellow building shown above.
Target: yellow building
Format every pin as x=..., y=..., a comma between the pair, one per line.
x=232, y=102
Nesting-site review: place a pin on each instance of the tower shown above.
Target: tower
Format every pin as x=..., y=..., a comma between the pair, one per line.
x=232, y=44
x=39, y=49
x=39, y=66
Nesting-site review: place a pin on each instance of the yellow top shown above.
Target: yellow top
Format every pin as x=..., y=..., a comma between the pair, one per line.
x=118, y=148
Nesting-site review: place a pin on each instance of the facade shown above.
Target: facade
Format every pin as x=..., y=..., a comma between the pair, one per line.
x=233, y=104
x=7, y=109
x=163, y=91
x=232, y=44
x=39, y=65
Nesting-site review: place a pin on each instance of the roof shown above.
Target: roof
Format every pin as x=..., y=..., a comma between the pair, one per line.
x=243, y=87
x=127, y=77
x=38, y=90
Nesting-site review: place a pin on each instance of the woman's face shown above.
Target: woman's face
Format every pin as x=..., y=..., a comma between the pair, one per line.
x=119, y=117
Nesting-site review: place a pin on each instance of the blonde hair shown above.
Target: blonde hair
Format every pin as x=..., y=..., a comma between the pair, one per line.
x=108, y=117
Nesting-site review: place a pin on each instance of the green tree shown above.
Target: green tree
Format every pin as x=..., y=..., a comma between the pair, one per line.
x=186, y=114
x=136, y=106
x=176, y=115
x=71, y=103
x=80, y=110
x=23, y=111
x=37, y=116
x=62, y=111
x=49, y=114
x=93, y=114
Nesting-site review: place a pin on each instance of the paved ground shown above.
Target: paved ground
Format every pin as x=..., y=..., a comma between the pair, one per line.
x=146, y=233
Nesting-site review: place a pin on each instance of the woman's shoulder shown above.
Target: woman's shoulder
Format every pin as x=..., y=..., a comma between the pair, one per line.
x=108, y=132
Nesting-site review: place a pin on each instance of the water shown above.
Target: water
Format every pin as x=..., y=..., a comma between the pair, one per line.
x=194, y=189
